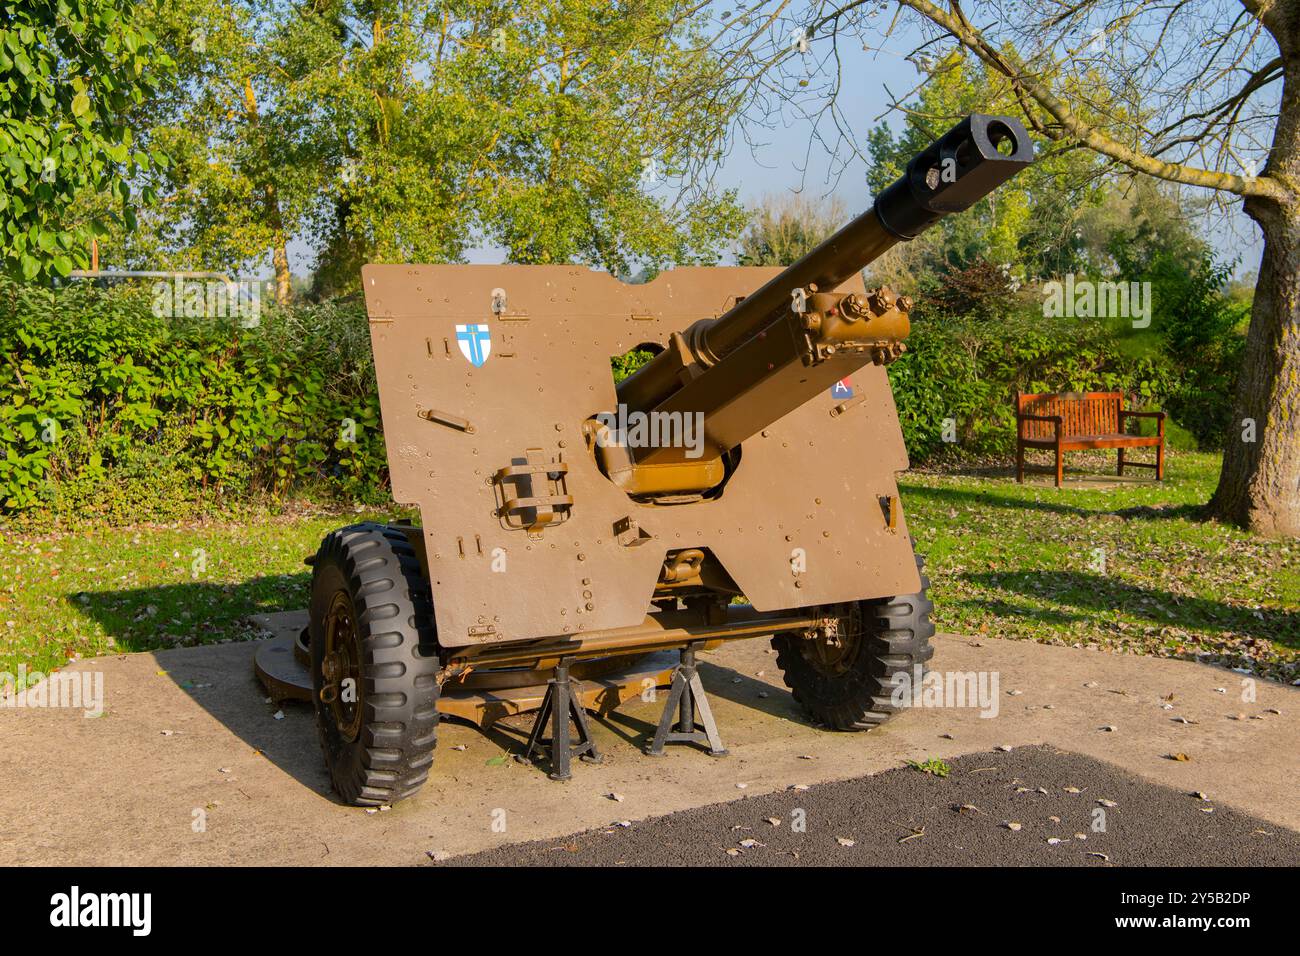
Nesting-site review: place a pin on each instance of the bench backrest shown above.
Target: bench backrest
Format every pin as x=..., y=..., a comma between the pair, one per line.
x=1082, y=413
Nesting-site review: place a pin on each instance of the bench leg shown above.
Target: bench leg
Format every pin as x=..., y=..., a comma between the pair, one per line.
x=1160, y=461
x=1121, y=462
x=1060, y=470
x=1020, y=463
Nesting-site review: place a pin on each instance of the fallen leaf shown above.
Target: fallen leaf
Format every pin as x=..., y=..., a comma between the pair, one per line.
x=916, y=834
x=845, y=841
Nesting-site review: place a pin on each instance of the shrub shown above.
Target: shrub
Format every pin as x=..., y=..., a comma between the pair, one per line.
x=108, y=409
x=969, y=370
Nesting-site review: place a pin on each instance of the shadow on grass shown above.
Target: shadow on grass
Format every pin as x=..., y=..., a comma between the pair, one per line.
x=1091, y=594
x=192, y=612
x=961, y=496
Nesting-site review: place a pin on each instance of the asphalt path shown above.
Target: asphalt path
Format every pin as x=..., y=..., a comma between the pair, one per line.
x=1032, y=806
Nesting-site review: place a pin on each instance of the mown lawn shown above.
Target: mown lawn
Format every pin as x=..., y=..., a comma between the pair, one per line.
x=1027, y=561
x=105, y=590
x=1005, y=560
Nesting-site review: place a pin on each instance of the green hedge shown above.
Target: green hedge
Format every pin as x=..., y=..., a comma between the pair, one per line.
x=969, y=372
x=110, y=411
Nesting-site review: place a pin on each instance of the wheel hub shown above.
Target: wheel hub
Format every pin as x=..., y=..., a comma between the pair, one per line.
x=341, y=668
x=832, y=646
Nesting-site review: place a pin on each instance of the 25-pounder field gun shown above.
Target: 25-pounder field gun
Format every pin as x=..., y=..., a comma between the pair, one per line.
x=741, y=484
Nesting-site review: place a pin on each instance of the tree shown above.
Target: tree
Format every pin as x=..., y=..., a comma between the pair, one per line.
x=784, y=229
x=1210, y=97
x=68, y=70
x=1029, y=226
x=396, y=130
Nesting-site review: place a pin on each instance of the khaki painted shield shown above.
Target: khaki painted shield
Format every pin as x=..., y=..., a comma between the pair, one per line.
x=486, y=376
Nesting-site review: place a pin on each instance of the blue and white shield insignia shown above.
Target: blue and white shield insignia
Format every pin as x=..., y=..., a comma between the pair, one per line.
x=475, y=343
x=842, y=389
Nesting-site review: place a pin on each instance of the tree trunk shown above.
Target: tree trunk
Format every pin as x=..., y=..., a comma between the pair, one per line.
x=1259, y=487
x=279, y=248
x=280, y=260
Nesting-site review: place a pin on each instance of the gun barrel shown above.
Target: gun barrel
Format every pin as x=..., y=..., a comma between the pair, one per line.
x=957, y=170
x=967, y=163
x=716, y=361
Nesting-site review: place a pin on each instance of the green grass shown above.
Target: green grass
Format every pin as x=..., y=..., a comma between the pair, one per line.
x=104, y=590
x=1005, y=560
x=1022, y=561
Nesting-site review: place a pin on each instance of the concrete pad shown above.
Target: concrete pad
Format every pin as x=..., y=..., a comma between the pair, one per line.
x=189, y=765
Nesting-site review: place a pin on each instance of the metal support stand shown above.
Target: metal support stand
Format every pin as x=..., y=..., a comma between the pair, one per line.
x=686, y=697
x=559, y=704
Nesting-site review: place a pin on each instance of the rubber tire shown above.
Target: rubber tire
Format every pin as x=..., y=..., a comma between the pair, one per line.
x=393, y=611
x=898, y=638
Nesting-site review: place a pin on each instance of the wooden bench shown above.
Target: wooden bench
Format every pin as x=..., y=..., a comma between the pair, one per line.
x=1073, y=421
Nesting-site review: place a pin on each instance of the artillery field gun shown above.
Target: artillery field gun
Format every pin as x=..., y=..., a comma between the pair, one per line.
x=568, y=523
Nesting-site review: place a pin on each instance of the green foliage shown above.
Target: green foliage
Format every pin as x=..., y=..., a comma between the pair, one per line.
x=69, y=69
x=1026, y=225
x=782, y=230
x=1198, y=326
x=967, y=370
x=979, y=339
x=629, y=362
x=407, y=130
x=934, y=766
x=107, y=409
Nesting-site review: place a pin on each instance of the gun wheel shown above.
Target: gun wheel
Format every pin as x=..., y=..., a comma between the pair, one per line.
x=374, y=664
x=843, y=676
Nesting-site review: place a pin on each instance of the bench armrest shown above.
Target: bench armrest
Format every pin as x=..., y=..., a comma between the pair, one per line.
x=1158, y=416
